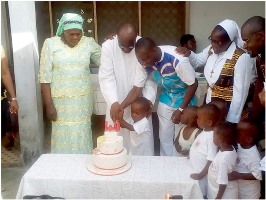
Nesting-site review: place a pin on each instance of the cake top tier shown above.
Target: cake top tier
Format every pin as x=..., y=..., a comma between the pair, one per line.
x=110, y=134
x=110, y=128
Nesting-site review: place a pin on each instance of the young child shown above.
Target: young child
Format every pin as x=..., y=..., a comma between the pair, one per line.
x=247, y=171
x=219, y=187
x=203, y=150
x=187, y=133
x=222, y=105
x=141, y=138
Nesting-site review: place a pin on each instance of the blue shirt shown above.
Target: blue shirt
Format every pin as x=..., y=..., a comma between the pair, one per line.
x=172, y=73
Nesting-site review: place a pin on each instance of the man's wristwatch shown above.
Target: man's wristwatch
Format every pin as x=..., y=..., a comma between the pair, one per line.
x=180, y=109
x=13, y=99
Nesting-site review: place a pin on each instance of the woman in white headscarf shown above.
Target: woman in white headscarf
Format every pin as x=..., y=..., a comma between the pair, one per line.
x=66, y=85
x=228, y=69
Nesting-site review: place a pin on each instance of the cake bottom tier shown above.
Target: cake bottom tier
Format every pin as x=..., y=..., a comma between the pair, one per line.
x=110, y=161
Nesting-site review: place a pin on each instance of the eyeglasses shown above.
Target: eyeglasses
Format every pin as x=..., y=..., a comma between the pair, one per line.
x=214, y=41
x=126, y=47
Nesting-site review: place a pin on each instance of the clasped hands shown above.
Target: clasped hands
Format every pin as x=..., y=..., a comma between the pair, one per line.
x=116, y=112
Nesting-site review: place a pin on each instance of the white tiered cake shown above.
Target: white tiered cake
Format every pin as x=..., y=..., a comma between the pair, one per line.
x=110, y=156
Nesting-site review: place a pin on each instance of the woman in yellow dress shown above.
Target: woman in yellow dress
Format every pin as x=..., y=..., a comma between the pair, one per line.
x=67, y=86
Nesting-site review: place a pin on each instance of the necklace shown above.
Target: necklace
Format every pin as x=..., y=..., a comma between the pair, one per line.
x=212, y=71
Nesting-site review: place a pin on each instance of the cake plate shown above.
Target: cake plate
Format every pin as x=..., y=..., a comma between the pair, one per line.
x=108, y=172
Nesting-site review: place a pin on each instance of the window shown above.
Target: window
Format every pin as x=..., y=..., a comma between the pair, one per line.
x=163, y=21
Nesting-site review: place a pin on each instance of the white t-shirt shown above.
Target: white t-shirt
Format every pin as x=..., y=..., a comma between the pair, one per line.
x=249, y=162
x=141, y=140
x=223, y=163
x=202, y=150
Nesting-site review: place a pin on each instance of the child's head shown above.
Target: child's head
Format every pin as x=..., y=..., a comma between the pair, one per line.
x=224, y=134
x=222, y=105
x=140, y=108
x=189, y=116
x=208, y=116
x=247, y=133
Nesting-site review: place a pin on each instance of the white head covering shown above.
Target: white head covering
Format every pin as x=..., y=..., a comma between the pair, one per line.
x=233, y=31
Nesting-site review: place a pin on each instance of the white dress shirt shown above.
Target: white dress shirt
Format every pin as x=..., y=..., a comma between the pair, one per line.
x=244, y=74
x=118, y=73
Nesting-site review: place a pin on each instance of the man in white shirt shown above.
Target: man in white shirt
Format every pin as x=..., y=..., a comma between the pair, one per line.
x=122, y=78
x=228, y=69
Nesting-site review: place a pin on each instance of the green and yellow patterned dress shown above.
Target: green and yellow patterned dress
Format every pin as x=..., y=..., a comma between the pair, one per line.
x=67, y=71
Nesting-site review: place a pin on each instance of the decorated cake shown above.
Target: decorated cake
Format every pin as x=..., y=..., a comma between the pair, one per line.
x=110, y=153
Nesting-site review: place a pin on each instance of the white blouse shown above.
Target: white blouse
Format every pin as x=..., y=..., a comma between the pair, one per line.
x=244, y=75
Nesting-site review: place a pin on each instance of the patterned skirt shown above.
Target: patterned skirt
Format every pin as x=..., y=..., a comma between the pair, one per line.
x=71, y=132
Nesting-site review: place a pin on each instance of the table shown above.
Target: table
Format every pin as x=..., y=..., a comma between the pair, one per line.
x=150, y=177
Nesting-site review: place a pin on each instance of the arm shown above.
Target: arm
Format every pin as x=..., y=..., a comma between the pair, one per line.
x=254, y=169
x=150, y=90
x=48, y=102
x=126, y=125
x=242, y=79
x=204, y=172
x=234, y=175
x=45, y=75
x=187, y=74
x=7, y=81
x=139, y=82
x=176, y=143
x=107, y=81
x=190, y=92
x=196, y=60
x=96, y=52
x=220, y=191
x=134, y=93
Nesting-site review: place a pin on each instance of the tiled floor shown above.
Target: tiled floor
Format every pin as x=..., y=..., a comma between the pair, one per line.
x=11, y=158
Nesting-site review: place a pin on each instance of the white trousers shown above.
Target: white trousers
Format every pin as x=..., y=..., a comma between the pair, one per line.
x=167, y=129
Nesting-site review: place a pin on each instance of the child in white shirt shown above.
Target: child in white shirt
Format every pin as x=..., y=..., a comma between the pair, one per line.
x=187, y=134
x=247, y=171
x=203, y=150
x=141, y=137
x=219, y=187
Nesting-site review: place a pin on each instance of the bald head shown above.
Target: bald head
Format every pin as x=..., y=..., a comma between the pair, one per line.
x=127, y=34
x=253, y=34
x=256, y=24
x=127, y=29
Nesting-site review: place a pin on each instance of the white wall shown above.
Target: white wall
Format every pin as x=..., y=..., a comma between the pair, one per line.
x=204, y=16
x=26, y=68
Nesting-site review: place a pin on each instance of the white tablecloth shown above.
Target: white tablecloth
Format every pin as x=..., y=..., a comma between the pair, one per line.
x=67, y=176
